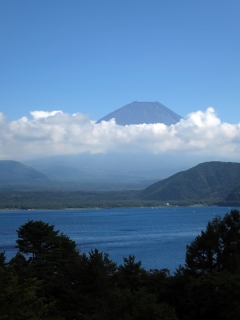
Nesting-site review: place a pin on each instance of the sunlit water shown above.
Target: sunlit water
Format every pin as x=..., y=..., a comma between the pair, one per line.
x=156, y=236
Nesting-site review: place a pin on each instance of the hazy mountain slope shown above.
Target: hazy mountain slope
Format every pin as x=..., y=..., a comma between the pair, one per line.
x=13, y=171
x=142, y=164
x=204, y=181
x=63, y=172
x=58, y=176
x=143, y=112
x=110, y=170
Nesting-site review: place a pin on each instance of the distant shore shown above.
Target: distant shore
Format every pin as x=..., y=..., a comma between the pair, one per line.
x=109, y=208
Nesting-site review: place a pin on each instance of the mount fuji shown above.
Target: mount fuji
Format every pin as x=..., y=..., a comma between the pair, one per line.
x=142, y=112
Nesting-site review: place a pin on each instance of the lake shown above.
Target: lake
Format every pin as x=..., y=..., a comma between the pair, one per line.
x=156, y=236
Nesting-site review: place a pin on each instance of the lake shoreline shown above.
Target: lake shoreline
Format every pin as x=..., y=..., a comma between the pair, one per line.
x=113, y=207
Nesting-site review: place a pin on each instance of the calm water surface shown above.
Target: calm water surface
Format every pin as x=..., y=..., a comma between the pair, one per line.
x=156, y=236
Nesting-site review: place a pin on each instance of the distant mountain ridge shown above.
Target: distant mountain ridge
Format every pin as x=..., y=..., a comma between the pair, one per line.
x=14, y=171
x=207, y=183
x=209, y=180
x=14, y=174
x=115, y=171
x=142, y=112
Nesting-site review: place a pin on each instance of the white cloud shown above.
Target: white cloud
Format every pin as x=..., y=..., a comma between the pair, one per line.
x=3, y=118
x=51, y=133
x=43, y=114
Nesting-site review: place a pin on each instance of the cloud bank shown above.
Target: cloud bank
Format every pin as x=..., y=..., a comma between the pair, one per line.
x=56, y=133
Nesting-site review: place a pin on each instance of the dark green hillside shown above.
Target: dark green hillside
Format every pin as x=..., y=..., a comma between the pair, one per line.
x=13, y=171
x=209, y=180
x=234, y=196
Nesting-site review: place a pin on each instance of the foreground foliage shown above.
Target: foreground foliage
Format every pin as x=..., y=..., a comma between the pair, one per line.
x=217, y=248
x=49, y=279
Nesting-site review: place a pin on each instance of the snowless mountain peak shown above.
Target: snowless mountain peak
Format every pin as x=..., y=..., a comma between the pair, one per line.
x=142, y=112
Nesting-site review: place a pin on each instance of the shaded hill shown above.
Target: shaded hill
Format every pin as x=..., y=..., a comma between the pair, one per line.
x=13, y=171
x=233, y=197
x=143, y=112
x=209, y=180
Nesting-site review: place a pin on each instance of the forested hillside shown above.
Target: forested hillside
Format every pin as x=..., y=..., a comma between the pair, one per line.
x=206, y=181
x=234, y=196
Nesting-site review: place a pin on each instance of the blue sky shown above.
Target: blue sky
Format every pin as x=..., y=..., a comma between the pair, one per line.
x=96, y=56
x=65, y=57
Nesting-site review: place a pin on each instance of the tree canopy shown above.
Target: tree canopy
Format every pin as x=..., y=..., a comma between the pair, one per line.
x=217, y=248
x=49, y=279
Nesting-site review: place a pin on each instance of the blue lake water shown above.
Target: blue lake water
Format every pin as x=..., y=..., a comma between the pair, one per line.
x=156, y=236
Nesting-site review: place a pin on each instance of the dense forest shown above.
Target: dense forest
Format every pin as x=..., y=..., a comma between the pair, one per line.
x=49, y=279
x=56, y=199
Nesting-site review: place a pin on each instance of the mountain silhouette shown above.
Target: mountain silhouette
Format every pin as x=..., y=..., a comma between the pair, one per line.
x=14, y=171
x=143, y=112
x=208, y=180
